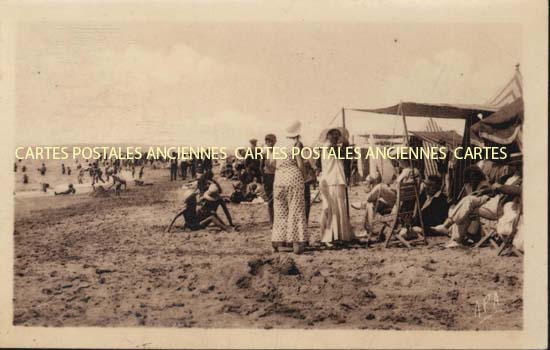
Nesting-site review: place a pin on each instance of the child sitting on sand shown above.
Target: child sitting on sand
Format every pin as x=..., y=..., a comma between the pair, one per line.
x=206, y=214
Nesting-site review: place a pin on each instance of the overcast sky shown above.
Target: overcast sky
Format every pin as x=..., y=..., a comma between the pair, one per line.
x=223, y=83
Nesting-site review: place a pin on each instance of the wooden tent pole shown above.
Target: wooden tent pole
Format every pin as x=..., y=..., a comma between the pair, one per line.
x=416, y=194
x=347, y=195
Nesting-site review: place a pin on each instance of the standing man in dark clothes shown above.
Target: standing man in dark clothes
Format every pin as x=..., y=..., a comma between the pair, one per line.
x=42, y=169
x=183, y=169
x=268, y=171
x=206, y=164
x=62, y=168
x=199, y=166
x=174, y=167
x=193, y=166
x=252, y=164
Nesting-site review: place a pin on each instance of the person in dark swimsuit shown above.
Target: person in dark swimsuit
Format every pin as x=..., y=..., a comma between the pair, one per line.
x=70, y=190
x=206, y=214
x=205, y=180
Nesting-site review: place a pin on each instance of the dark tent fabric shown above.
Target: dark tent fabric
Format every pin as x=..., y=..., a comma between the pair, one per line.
x=502, y=127
x=413, y=109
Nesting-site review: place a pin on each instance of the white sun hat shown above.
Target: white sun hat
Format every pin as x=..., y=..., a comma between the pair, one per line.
x=294, y=129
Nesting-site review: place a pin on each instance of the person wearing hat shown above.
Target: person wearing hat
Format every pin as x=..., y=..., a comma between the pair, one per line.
x=289, y=219
x=210, y=201
x=333, y=180
x=268, y=174
x=197, y=219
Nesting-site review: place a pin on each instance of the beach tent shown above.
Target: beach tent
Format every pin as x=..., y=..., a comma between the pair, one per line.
x=370, y=166
x=504, y=127
x=427, y=139
x=471, y=114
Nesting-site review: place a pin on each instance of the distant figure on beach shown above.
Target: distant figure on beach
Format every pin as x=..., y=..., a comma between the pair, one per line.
x=15, y=167
x=174, y=167
x=183, y=169
x=69, y=171
x=25, y=179
x=97, y=174
x=118, y=182
x=70, y=190
x=45, y=187
x=252, y=163
x=108, y=172
x=141, y=171
x=142, y=183
x=42, y=169
x=193, y=167
x=23, y=169
x=80, y=177
x=62, y=168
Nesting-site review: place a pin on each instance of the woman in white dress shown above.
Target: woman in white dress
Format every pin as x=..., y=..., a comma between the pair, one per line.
x=289, y=220
x=335, y=223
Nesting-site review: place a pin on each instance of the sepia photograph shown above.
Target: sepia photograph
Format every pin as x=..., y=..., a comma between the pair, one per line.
x=273, y=176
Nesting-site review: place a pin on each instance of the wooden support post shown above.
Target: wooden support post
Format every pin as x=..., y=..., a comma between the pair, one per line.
x=418, y=208
x=347, y=195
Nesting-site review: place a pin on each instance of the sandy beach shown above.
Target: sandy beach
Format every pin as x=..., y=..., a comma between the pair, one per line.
x=105, y=261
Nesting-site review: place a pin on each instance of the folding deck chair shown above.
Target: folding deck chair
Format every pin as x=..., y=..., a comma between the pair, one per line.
x=408, y=206
x=503, y=244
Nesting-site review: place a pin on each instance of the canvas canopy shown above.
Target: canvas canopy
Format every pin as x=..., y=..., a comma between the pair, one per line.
x=448, y=111
x=502, y=127
x=471, y=114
